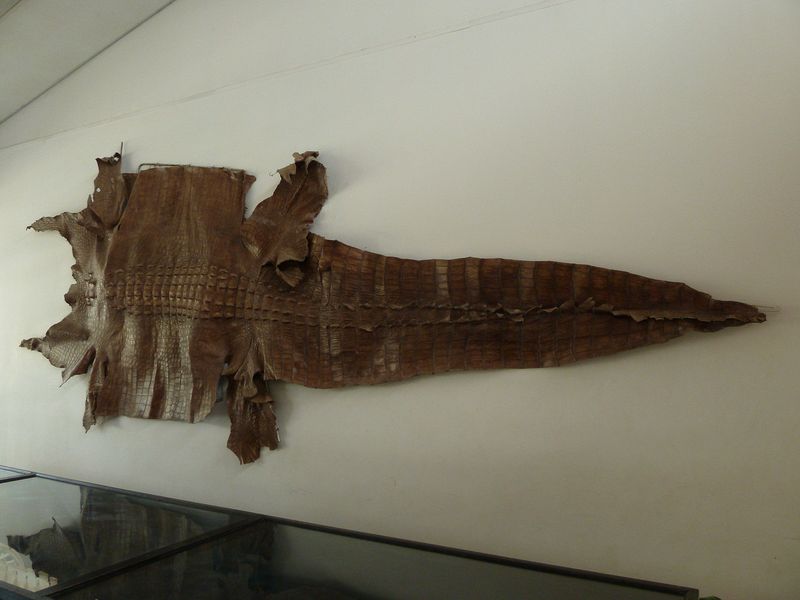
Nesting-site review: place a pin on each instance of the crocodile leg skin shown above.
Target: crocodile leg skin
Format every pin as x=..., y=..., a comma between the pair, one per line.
x=175, y=291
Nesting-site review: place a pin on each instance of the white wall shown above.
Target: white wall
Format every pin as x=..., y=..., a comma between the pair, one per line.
x=661, y=138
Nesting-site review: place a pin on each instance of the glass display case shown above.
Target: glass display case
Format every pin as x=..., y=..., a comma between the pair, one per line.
x=7, y=474
x=65, y=539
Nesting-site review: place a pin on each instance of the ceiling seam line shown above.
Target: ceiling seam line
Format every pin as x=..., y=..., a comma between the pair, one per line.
x=407, y=41
x=88, y=60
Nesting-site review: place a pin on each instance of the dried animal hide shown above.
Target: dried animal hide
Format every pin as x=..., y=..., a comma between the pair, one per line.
x=175, y=290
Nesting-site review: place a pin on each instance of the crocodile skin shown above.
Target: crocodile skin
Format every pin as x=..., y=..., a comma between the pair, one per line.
x=174, y=291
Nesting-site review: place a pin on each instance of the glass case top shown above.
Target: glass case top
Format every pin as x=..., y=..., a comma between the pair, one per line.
x=52, y=532
x=8, y=474
x=270, y=560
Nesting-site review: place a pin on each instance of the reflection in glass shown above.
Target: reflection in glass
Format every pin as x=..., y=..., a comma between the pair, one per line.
x=62, y=531
x=237, y=566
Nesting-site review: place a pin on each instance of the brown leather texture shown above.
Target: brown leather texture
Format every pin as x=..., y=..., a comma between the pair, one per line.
x=177, y=295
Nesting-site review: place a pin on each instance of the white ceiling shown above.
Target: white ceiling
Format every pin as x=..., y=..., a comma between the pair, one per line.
x=43, y=41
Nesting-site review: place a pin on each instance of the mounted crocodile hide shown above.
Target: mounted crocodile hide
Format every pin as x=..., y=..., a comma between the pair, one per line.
x=174, y=290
